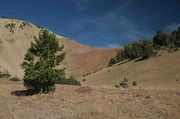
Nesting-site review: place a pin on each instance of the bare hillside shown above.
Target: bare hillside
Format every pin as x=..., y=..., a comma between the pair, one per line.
x=16, y=36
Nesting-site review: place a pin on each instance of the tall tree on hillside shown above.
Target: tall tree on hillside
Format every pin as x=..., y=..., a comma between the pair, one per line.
x=40, y=62
x=175, y=38
x=161, y=39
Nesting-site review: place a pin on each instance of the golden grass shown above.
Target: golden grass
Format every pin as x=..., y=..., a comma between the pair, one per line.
x=162, y=72
x=70, y=102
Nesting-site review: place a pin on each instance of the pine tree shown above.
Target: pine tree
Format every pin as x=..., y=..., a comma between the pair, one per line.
x=161, y=39
x=40, y=63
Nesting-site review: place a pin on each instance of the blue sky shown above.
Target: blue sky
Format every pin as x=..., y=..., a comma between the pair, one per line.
x=100, y=23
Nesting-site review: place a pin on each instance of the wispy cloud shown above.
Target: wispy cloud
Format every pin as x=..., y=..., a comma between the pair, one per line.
x=113, y=46
x=113, y=27
x=126, y=3
x=92, y=4
x=172, y=27
x=114, y=23
x=82, y=4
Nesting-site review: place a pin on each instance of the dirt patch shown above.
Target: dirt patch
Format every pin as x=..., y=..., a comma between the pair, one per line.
x=83, y=90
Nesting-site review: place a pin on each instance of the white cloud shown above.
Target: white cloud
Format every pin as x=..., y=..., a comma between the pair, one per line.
x=113, y=46
x=172, y=27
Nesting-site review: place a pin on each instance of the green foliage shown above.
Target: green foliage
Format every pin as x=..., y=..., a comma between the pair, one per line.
x=145, y=48
x=138, y=49
x=70, y=81
x=4, y=74
x=175, y=38
x=112, y=61
x=161, y=39
x=40, y=62
x=14, y=79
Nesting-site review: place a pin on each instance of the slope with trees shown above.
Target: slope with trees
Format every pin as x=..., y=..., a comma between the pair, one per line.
x=146, y=48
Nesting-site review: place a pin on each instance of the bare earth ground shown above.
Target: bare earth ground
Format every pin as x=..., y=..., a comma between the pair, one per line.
x=70, y=102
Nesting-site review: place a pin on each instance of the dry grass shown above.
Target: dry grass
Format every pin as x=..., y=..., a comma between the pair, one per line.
x=162, y=72
x=69, y=102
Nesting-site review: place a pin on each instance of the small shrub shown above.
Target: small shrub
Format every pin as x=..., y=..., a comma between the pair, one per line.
x=112, y=61
x=10, y=27
x=24, y=23
x=70, y=81
x=14, y=79
x=4, y=74
x=134, y=83
x=124, y=83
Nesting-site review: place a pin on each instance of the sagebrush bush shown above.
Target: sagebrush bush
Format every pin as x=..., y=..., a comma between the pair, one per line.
x=10, y=27
x=14, y=79
x=4, y=74
x=124, y=83
x=134, y=83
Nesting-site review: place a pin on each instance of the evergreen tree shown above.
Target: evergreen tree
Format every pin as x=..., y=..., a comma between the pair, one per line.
x=161, y=39
x=40, y=62
x=175, y=38
x=112, y=61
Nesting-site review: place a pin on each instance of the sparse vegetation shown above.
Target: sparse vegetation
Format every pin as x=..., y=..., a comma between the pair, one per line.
x=14, y=79
x=134, y=83
x=4, y=74
x=24, y=23
x=10, y=27
x=123, y=84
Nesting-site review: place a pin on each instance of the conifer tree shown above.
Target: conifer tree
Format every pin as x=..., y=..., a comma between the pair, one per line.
x=40, y=63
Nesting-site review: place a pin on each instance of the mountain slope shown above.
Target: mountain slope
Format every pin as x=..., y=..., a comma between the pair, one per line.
x=157, y=72
x=16, y=36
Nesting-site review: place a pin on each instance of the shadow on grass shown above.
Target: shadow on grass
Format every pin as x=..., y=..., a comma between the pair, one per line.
x=123, y=62
x=140, y=59
x=22, y=93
